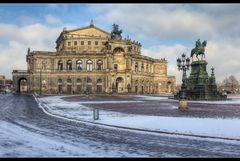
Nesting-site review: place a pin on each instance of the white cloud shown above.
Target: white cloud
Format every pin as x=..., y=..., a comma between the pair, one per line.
x=16, y=40
x=170, y=53
x=26, y=20
x=224, y=56
x=150, y=21
x=50, y=19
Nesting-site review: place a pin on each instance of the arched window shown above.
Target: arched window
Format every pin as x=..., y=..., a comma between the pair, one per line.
x=59, y=81
x=60, y=65
x=136, y=67
x=136, y=82
x=99, y=85
x=136, y=86
x=99, y=65
x=89, y=80
x=69, y=86
x=79, y=81
x=69, y=65
x=69, y=81
x=89, y=65
x=79, y=85
x=60, y=89
x=79, y=65
x=99, y=81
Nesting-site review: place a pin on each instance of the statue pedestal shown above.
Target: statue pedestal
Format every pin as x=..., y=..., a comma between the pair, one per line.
x=199, y=85
x=183, y=106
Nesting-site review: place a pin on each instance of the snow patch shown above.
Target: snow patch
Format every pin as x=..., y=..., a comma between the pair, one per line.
x=216, y=127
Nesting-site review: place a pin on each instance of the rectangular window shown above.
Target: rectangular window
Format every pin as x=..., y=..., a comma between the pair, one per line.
x=115, y=66
x=82, y=42
x=89, y=42
x=96, y=42
x=103, y=43
x=69, y=43
x=89, y=67
x=75, y=43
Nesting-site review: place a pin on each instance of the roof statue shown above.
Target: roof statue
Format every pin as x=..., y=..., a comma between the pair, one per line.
x=116, y=33
x=91, y=24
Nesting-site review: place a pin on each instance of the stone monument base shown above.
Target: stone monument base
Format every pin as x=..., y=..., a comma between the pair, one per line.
x=183, y=105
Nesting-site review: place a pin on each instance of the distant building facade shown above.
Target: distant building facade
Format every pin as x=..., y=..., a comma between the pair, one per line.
x=5, y=84
x=91, y=60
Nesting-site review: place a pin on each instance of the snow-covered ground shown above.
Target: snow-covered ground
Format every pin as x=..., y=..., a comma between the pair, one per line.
x=21, y=142
x=215, y=127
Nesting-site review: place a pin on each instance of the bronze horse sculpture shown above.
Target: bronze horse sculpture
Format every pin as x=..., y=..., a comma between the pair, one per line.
x=199, y=49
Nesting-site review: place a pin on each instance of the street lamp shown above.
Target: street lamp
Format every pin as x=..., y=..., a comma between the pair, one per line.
x=183, y=64
x=40, y=83
x=41, y=78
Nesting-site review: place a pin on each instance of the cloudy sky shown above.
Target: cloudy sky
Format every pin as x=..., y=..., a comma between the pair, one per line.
x=164, y=30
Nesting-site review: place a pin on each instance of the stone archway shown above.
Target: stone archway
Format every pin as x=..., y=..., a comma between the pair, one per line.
x=23, y=85
x=99, y=85
x=118, y=50
x=60, y=86
x=69, y=86
x=120, y=85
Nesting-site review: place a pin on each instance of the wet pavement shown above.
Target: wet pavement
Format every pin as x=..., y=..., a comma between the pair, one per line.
x=160, y=107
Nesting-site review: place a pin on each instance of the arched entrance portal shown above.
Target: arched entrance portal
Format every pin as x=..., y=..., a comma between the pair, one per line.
x=99, y=86
x=69, y=86
x=22, y=85
x=120, y=85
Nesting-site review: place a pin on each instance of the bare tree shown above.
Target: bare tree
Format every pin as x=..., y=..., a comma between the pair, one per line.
x=233, y=83
x=230, y=84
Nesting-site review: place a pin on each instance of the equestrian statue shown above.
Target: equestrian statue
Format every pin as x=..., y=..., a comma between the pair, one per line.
x=199, y=49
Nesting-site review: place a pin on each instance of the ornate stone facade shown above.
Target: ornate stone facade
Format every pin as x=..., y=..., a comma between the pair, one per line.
x=90, y=60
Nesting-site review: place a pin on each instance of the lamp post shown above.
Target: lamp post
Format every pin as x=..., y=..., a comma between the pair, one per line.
x=40, y=88
x=41, y=78
x=183, y=64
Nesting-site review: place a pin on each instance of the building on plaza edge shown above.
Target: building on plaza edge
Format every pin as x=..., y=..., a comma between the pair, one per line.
x=5, y=84
x=91, y=60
